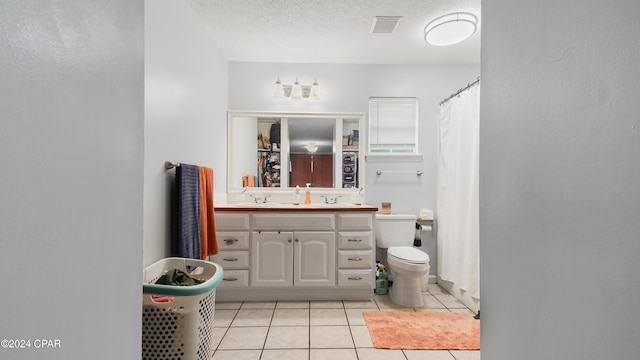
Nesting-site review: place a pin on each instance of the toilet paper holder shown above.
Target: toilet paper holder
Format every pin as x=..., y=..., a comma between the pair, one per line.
x=425, y=224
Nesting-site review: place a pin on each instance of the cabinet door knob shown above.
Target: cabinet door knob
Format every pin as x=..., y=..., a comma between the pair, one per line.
x=289, y=240
x=297, y=240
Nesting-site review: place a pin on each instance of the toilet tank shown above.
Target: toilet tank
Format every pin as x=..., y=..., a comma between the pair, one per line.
x=395, y=230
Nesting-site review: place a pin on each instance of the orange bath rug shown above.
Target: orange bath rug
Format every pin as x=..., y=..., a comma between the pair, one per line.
x=423, y=330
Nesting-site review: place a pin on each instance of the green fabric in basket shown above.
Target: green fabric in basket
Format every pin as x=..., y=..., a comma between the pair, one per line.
x=177, y=277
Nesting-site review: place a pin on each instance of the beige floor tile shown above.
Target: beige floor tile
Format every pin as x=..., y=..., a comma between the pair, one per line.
x=244, y=338
x=355, y=317
x=361, y=337
x=223, y=318
x=290, y=317
x=377, y=354
x=237, y=355
x=350, y=304
x=465, y=310
x=328, y=317
x=252, y=317
x=288, y=337
x=228, y=305
x=433, y=310
x=330, y=337
x=333, y=354
x=431, y=302
x=436, y=289
x=384, y=302
x=466, y=354
x=326, y=304
x=258, y=305
x=450, y=301
x=292, y=354
x=428, y=355
x=216, y=337
x=292, y=305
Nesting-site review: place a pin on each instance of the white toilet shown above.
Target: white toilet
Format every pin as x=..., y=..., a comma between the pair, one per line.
x=408, y=265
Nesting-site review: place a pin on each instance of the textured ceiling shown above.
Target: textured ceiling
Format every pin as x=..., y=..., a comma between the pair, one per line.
x=333, y=31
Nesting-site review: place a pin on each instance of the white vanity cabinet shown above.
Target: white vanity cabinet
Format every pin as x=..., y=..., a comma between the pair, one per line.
x=301, y=258
x=232, y=232
x=272, y=259
x=356, y=250
x=272, y=254
x=306, y=246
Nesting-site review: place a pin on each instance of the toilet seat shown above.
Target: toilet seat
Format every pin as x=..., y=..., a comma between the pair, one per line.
x=408, y=254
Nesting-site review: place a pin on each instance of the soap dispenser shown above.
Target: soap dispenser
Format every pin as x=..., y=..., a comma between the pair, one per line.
x=307, y=197
x=296, y=196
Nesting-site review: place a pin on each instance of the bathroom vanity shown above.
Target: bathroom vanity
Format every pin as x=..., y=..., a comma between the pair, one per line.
x=296, y=252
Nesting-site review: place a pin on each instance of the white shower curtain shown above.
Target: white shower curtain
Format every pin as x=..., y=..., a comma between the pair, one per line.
x=458, y=194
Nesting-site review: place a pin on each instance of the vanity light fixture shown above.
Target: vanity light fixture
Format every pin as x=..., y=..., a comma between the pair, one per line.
x=297, y=90
x=450, y=29
x=315, y=90
x=278, y=89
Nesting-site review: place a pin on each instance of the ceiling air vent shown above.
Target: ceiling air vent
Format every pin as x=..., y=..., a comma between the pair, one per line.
x=385, y=24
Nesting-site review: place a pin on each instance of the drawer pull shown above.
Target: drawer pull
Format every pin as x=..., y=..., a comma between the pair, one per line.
x=354, y=240
x=355, y=259
x=230, y=259
x=230, y=279
x=354, y=278
x=230, y=242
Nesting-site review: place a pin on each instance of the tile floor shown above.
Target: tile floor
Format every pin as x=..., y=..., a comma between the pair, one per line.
x=319, y=330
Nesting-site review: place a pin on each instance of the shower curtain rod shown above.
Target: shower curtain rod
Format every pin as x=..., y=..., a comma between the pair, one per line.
x=459, y=91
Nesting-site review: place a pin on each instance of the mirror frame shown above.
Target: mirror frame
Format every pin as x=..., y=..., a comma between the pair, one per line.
x=337, y=148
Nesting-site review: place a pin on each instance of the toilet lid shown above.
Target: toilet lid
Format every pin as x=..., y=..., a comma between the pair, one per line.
x=408, y=254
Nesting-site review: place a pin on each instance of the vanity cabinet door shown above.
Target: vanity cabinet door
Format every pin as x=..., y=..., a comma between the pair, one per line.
x=271, y=259
x=314, y=258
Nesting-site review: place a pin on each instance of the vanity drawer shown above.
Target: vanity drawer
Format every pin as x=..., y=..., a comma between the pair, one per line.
x=232, y=221
x=355, y=259
x=235, y=278
x=348, y=221
x=297, y=222
x=355, y=240
x=230, y=240
x=356, y=278
x=232, y=259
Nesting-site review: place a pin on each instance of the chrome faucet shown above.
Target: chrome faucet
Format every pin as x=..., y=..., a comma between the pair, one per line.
x=330, y=199
x=260, y=199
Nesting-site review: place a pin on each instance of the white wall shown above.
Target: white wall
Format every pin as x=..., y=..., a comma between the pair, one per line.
x=185, y=112
x=559, y=175
x=347, y=88
x=71, y=139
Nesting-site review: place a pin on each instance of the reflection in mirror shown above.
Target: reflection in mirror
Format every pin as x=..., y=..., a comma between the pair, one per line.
x=281, y=150
x=311, y=152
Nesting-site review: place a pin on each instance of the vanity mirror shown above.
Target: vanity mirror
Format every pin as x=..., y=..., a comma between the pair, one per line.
x=281, y=150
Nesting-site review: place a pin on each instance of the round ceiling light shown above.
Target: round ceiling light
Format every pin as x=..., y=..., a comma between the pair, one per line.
x=450, y=29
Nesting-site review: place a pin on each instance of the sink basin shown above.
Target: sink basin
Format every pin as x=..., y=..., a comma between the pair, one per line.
x=337, y=205
x=253, y=204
